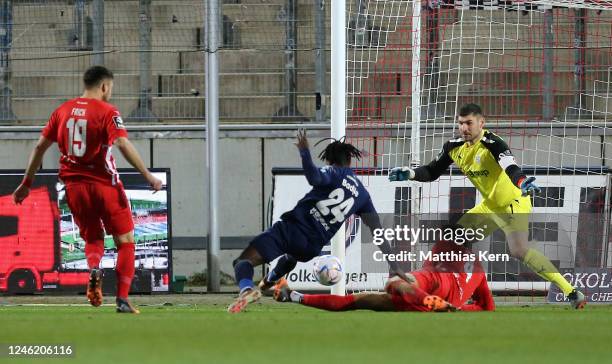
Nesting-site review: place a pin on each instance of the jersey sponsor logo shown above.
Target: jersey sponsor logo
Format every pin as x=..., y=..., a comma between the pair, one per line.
x=118, y=122
x=317, y=216
x=472, y=174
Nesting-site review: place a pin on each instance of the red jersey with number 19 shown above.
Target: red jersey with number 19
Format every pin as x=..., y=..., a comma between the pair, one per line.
x=85, y=130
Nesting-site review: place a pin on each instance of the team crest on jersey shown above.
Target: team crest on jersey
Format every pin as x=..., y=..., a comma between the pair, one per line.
x=477, y=158
x=118, y=122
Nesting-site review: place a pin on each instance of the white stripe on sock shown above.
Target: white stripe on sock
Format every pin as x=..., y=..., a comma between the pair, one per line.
x=296, y=296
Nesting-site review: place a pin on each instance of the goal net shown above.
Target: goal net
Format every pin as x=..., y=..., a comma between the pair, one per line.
x=540, y=70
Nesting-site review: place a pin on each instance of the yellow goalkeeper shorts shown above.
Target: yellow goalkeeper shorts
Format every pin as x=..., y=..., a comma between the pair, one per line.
x=514, y=217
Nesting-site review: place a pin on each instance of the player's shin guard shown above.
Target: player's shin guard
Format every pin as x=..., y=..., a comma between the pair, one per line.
x=94, y=250
x=329, y=302
x=542, y=266
x=284, y=265
x=124, y=269
x=243, y=270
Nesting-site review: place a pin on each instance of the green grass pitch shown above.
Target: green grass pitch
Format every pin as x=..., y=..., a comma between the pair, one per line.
x=288, y=333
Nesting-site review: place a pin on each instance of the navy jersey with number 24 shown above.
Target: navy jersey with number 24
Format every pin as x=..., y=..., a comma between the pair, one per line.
x=336, y=195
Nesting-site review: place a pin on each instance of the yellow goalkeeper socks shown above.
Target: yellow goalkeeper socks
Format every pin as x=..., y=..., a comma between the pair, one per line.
x=541, y=265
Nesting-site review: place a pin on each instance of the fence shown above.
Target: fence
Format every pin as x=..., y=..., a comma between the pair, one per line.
x=274, y=59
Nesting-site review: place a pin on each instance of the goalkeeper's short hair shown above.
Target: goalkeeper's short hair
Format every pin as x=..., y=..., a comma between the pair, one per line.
x=470, y=109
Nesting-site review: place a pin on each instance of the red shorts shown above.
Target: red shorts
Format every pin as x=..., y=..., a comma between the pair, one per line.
x=435, y=283
x=94, y=204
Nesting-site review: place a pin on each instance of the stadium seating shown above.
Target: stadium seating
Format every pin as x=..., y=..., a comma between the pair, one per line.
x=253, y=57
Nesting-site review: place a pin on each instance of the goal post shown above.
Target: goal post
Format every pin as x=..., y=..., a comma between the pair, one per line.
x=338, y=109
x=541, y=70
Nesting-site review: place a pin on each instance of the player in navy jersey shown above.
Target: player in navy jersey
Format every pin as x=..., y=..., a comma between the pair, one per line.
x=301, y=233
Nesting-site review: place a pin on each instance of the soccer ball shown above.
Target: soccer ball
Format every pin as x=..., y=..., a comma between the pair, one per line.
x=328, y=270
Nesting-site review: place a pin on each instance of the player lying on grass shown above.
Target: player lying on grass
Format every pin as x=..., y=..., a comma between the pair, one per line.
x=446, y=286
x=85, y=129
x=302, y=232
x=489, y=164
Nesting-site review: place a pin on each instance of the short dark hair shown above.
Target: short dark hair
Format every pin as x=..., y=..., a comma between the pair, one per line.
x=339, y=152
x=468, y=109
x=95, y=75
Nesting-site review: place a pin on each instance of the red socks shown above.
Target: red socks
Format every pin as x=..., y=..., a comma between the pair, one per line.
x=329, y=302
x=94, y=251
x=415, y=297
x=125, y=263
x=124, y=269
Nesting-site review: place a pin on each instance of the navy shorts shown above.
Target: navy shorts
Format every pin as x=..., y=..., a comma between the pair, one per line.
x=285, y=238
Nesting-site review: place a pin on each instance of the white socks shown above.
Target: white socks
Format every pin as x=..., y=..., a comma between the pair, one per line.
x=296, y=296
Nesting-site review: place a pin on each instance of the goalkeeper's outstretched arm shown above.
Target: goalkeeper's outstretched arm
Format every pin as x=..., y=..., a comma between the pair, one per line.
x=426, y=173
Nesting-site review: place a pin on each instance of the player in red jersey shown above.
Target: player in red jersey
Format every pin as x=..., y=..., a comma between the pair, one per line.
x=85, y=129
x=440, y=286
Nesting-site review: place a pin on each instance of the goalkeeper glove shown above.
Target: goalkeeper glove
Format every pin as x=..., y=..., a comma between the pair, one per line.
x=401, y=174
x=528, y=186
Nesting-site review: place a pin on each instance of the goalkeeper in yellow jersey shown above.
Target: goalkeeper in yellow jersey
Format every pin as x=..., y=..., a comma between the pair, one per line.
x=489, y=164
